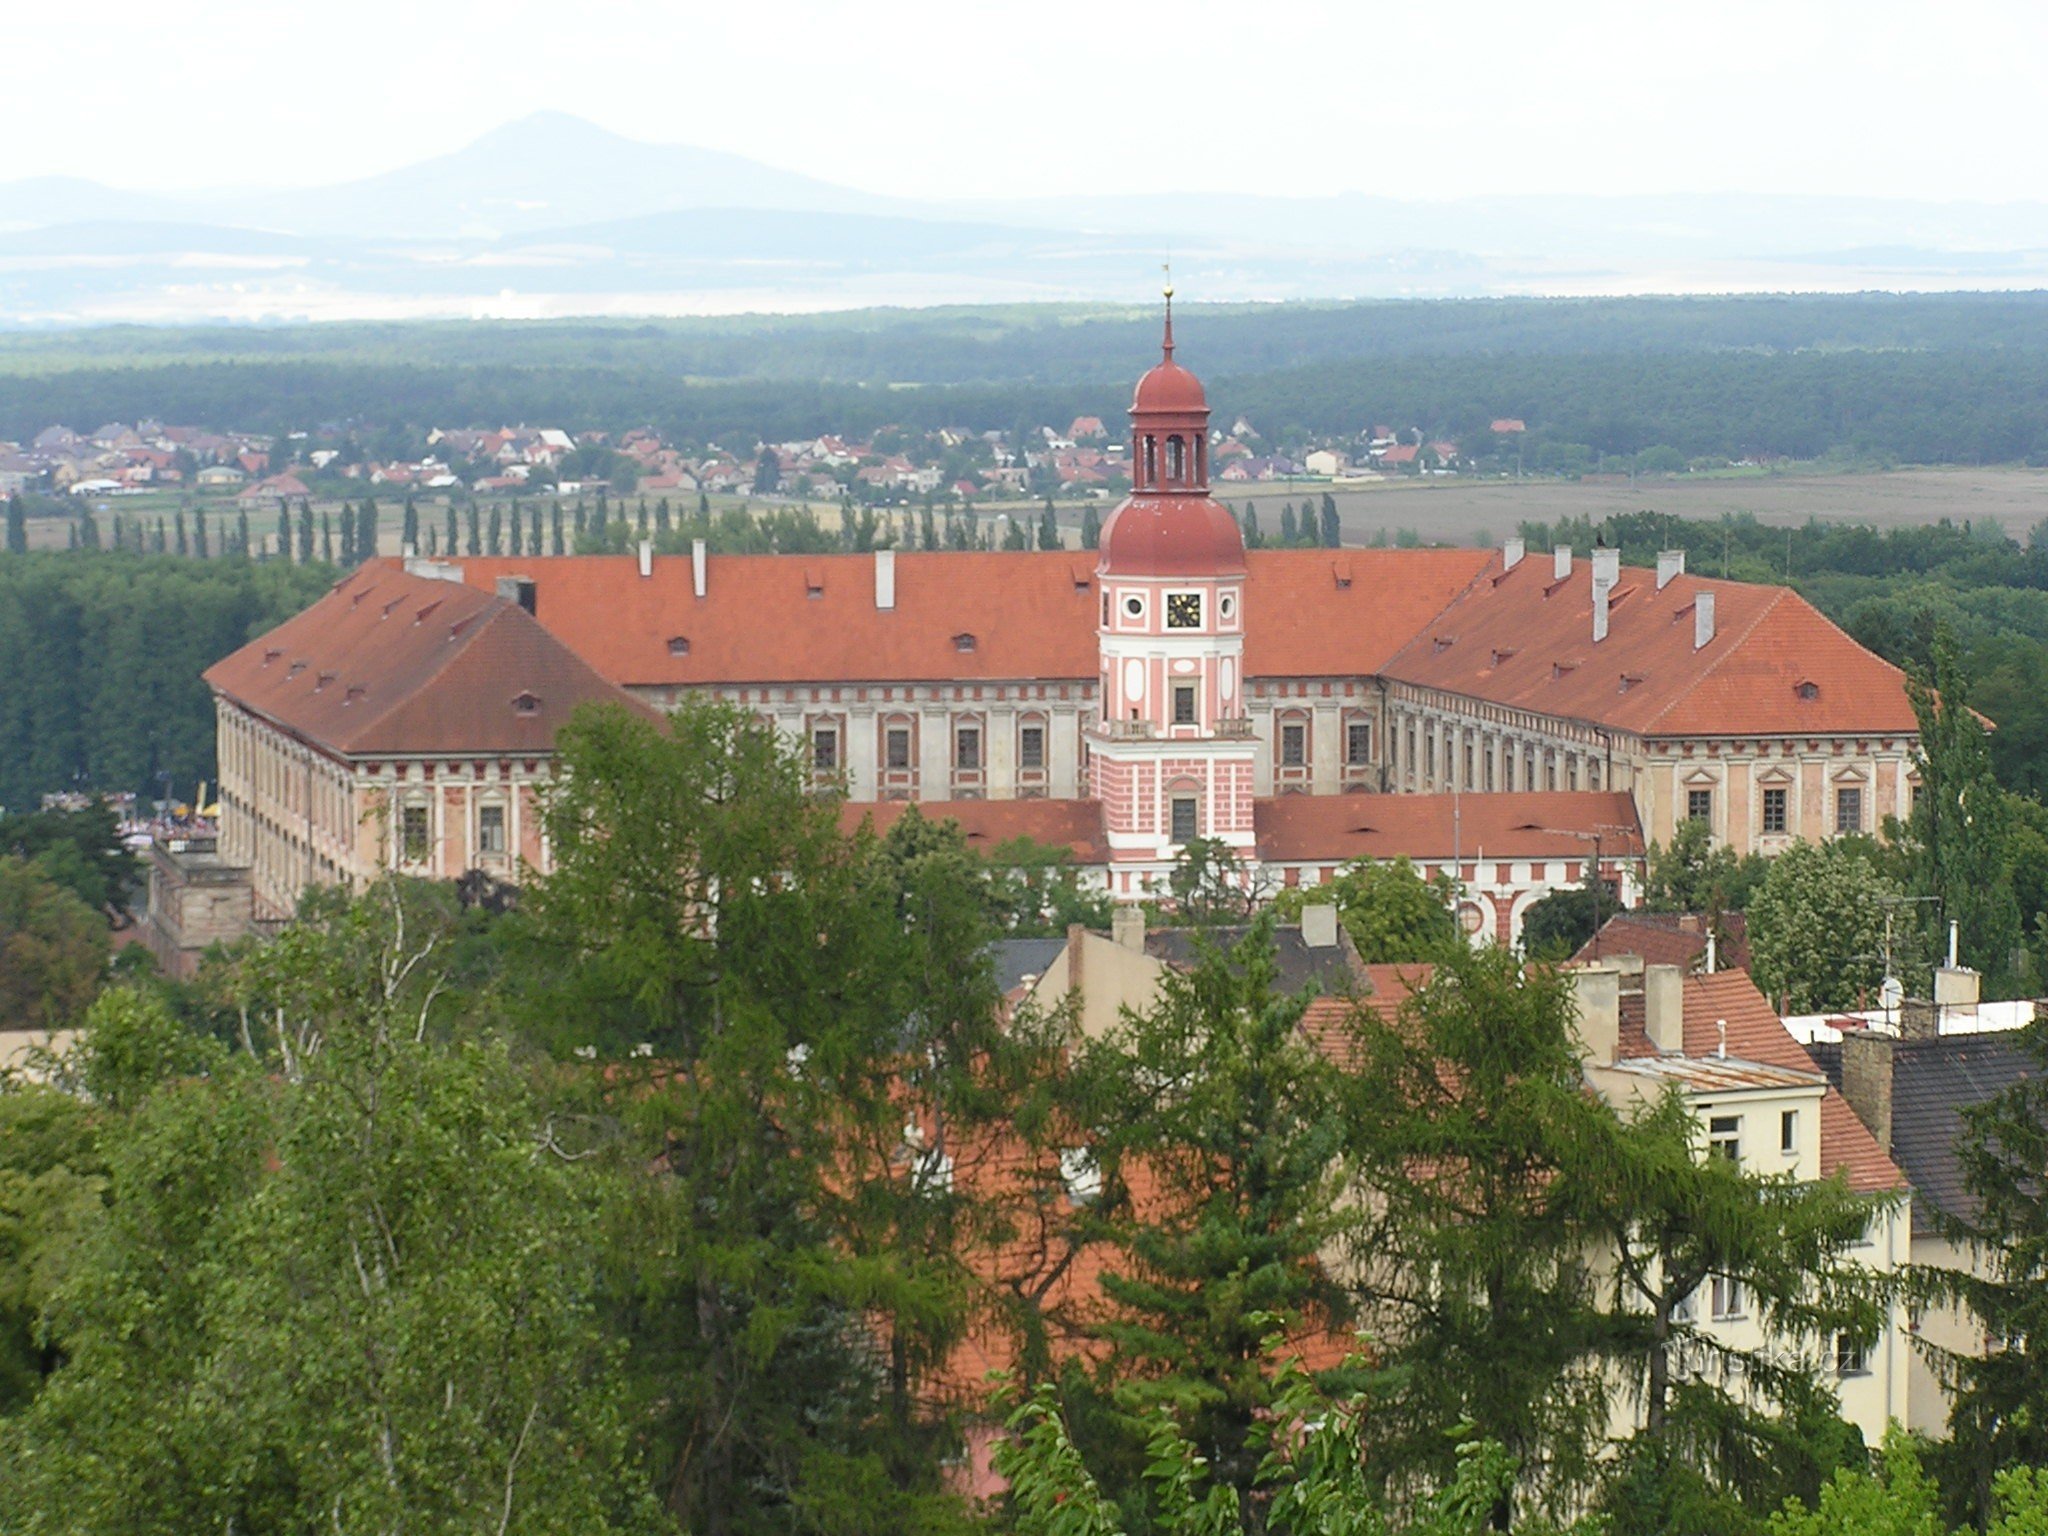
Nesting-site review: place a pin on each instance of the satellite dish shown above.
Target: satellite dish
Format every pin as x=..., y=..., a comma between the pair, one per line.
x=1891, y=994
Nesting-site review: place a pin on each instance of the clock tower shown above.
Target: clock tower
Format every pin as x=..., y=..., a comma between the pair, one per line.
x=1171, y=748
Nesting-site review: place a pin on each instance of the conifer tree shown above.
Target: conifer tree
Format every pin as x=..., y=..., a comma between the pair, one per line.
x=410, y=537
x=450, y=539
x=1253, y=539
x=305, y=532
x=242, y=532
x=71, y=535
x=476, y=537
x=1288, y=531
x=199, y=535
x=704, y=504
x=348, y=536
x=326, y=539
x=284, y=532
x=158, y=543
x=178, y=522
x=497, y=544
x=1048, y=527
x=641, y=521
x=366, y=531
x=1091, y=528
x=88, y=530
x=17, y=526
x=661, y=522
x=555, y=546
x=120, y=533
x=1332, y=527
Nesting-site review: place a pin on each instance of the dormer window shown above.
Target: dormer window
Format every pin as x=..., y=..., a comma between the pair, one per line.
x=1562, y=669
x=526, y=704
x=963, y=642
x=1808, y=689
x=271, y=654
x=1629, y=680
x=1501, y=654
x=421, y=616
x=322, y=680
x=679, y=645
x=1441, y=643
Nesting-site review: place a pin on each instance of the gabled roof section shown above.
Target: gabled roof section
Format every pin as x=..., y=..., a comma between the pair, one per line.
x=1755, y=1033
x=1540, y=824
x=813, y=618
x=1525, y=640
x=1933, y=1082
x=389, y=662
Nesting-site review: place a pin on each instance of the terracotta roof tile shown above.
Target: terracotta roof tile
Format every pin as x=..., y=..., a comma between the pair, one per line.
x=1522, y=639
x=779, y=618
x=986, y=824
x=1522, y=825
x=392, y=663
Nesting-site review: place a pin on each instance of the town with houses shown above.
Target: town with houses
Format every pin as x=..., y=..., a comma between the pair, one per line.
x=892, y=466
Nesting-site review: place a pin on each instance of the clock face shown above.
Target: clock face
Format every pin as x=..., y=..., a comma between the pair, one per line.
x=1184, y=610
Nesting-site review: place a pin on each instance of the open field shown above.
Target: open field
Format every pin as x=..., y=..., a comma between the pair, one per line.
x=1456, y=511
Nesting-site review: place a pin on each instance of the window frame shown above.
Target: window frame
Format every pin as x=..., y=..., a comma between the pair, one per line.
x=1848, y=795
x=1699, y=804
x=964, y=732
x=1293, y=744
x=485, y=814
x=1174, y=808
x=1775, y=810
x=1188, y=694
x=1724, y=1137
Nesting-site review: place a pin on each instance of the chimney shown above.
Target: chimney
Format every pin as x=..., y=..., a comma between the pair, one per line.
x=1670, y=565
x=698, y=550
x=1606, y=567
x=1702, y=620
x=1664, y=1007
x=1127, y=928
x=1511, y=553
x=517, y=589
x=1596, y=996
x=885, y=578
x=1956, y=992
x=1560, y=562
x=1867, y=1081
x=1319, y=926
x=646, y=558
x=1599, y=611
x=1077, y=948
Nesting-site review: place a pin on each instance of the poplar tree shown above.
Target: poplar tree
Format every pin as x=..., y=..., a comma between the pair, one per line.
x=1253, y=539
x=199, y=545
x=242, y=532
x=497, y=544
x=348, y=536
x=1332, y=527
x=326, y=540
x=409, y=537
x=1288, y=530
x=1091, y=528
x=158, y=542
x=284, y=532
x=17, y=526
x=518, y=539
x=305, y=532
x=451, y=539
x=366, y=531
x=1048, y=527
x=476, y=538
x=555, y=545
x=661, y=519
x=178, y=522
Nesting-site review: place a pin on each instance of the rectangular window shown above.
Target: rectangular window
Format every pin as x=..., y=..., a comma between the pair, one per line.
x=413, y=834
x=1183, y=703
x=490, y=829
x=1725, y=1297
x=1788, y=1132
x=1686, y=1308
x=1849, y=809
x=1467, y=781
x=1849, y=1357
x=1774, y=810
x=1699, y=805
x=1411, y=749
x=1031, y=747
x=1550, y=770
x=1185, y=827
x=1358, y=743
x=1507, y=768
x=1571, y=773
x=1724, y=1137
x=825, y=749
x=1486, y=757
x=896, y=747
x=1293, y=745
x=967, y=747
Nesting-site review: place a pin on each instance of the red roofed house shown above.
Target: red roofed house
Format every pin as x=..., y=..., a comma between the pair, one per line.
x=1547, y=711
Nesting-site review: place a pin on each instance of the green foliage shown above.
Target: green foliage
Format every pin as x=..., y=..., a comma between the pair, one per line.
x=1554, y=927
x=132, y=1043
x=1209, y=884
x=1691, y=874
x=80, y=850
x=53, y=949
x=1390, y=911
x=1896, y=1498
x=1817, y=926
x=51, y=1178
x=103, y=685
x=1467, y=1113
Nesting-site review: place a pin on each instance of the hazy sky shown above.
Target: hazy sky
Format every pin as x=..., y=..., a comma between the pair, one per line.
x=1432, y=98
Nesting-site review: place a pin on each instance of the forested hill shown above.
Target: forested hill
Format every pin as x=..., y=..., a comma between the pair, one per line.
x=1874, y=378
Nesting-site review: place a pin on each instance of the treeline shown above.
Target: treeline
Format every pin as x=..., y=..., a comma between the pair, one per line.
x=1873, y=378
x=697, y=1190
x=101, y=689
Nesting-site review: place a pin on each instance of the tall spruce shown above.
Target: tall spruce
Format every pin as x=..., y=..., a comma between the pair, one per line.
x=366, y=531
x=284, y=531
x=1048, y=527
x=1091, y=528
x=409, y=535
x=199, y=541
x=555, y=543
x=242, y=532
x=17, y=526
x=184, y=543
x=305, y=532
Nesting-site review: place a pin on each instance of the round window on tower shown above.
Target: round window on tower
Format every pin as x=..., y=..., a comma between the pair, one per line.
x=1226, y=606
x=1134, y=605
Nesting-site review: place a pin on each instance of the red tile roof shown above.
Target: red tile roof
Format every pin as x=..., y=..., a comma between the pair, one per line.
x=987, y=824
x=812, y=618
x=1537, y=824
x=1524, y=640
x=1668, y=938
x=1756, y=1033
x=392, y=663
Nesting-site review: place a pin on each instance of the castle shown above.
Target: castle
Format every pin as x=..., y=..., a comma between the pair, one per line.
x=1504, y=718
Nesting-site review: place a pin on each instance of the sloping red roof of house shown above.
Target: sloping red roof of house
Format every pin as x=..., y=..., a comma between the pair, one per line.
x=392, y=663
x=1525, y=640
x=1539, y=824
x=987, y=824
x=1032, y=615
x=1756, y=1033
x=1668, y=938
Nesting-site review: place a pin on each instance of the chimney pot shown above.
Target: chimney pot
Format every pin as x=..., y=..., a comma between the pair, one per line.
x=1664, y=1007
x=698, y=551
x=1606, y=567
x=1561, y=562
x=1596, y=995
x=1319, y=926
x=1127, y=928
x=1599, y=612
x=1867, y=1081
x=1702, y=621
x=885, y=578
x=1670, y=566
x=646, y=558
x=1511, y=553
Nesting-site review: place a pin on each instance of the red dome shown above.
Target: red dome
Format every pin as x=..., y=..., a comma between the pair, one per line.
x=1169, y=535
x=1168, y=387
